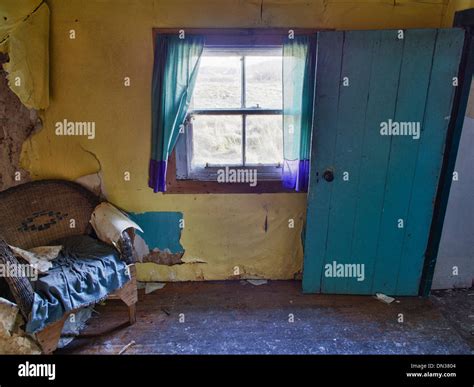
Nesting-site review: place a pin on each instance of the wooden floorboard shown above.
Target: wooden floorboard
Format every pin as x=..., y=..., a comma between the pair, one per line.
x=237, y=317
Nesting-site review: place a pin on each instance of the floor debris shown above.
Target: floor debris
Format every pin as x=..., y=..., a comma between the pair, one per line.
x=226, y=317
x=126, y=347
x=8, y=314
x=257, y=282
x=152, y=286
x=13, y=340
x=384, y=298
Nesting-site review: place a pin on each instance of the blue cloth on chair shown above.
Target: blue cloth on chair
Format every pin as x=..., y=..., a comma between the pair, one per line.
x=85, y=271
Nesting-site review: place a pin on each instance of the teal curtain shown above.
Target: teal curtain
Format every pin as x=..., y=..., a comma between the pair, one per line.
x=174, y=75
x=299, y=60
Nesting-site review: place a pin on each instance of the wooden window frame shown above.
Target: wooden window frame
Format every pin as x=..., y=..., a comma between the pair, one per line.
x=185, y=148
x=222, y=37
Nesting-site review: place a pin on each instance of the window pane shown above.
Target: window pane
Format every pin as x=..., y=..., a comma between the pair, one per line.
x=264, y=139
x=217, y=140
x=263, y=81
x=218, y=84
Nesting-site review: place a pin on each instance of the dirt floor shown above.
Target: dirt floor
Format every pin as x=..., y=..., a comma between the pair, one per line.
x=276, y=318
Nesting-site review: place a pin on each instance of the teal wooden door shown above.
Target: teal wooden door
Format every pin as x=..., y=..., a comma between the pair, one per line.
x=372, y=186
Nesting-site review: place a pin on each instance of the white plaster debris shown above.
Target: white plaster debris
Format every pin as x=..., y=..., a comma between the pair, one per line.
x=140, y=247
x=384, y=298
x=38, y=257
x=93, y=183
x=14, y=340
x=126, y=347
x=152, y=286
x=257, y=282
x=109, y=223
x=192, y=260
x=8, y=314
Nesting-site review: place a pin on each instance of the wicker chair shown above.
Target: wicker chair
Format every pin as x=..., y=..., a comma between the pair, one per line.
x=37, y=213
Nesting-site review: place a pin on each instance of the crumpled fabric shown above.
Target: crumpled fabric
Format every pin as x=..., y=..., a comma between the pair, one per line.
x=85, y=272
x=24, y=36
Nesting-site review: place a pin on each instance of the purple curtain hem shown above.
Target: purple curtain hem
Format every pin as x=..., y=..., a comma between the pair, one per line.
x=157, y=175
x=296, y=175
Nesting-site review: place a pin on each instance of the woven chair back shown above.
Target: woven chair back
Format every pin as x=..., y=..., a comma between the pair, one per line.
x=37, y=213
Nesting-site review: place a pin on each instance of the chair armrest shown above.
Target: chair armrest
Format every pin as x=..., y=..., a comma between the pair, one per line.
x=125, y=246
x=113, y=226
x=20, y=287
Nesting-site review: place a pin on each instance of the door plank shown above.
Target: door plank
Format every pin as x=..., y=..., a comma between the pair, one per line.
x=448, y=50
x=410, y=106
x=356, y=67
x=322, y=154
x=375, y=155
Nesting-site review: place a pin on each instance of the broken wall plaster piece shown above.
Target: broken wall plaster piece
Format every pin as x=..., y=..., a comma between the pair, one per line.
x=94, y=183
x=39, y=257
x=192, y=260
x=8, y=314
x=257, y=282
x=161, y=230
x=140, y=248
x=109, y=223
x=165, y=257
x=17, y=124
x=14, y=340
x=152, y=286
x=126, y=347
x=384, y=298
x=17, y=344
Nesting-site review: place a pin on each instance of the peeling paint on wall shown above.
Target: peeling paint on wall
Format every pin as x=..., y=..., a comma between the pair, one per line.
x=161, y=235
x=93, y=182
x=17, y=123
x=248, y=234
x=163, y=257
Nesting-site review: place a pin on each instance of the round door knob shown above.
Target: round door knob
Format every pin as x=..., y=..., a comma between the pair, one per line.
x=328, y=175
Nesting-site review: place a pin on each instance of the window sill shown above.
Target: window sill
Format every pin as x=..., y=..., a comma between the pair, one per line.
x=175, y=186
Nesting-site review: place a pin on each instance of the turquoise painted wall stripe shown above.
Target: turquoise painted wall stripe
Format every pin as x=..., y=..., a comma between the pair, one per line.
x=160, y=229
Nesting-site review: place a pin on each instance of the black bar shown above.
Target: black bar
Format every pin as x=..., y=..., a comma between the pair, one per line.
x=135, y=370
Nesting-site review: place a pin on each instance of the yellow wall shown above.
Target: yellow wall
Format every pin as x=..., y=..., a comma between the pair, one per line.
x=113, y=41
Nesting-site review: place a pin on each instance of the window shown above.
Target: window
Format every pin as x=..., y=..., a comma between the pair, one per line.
x=235, y=117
